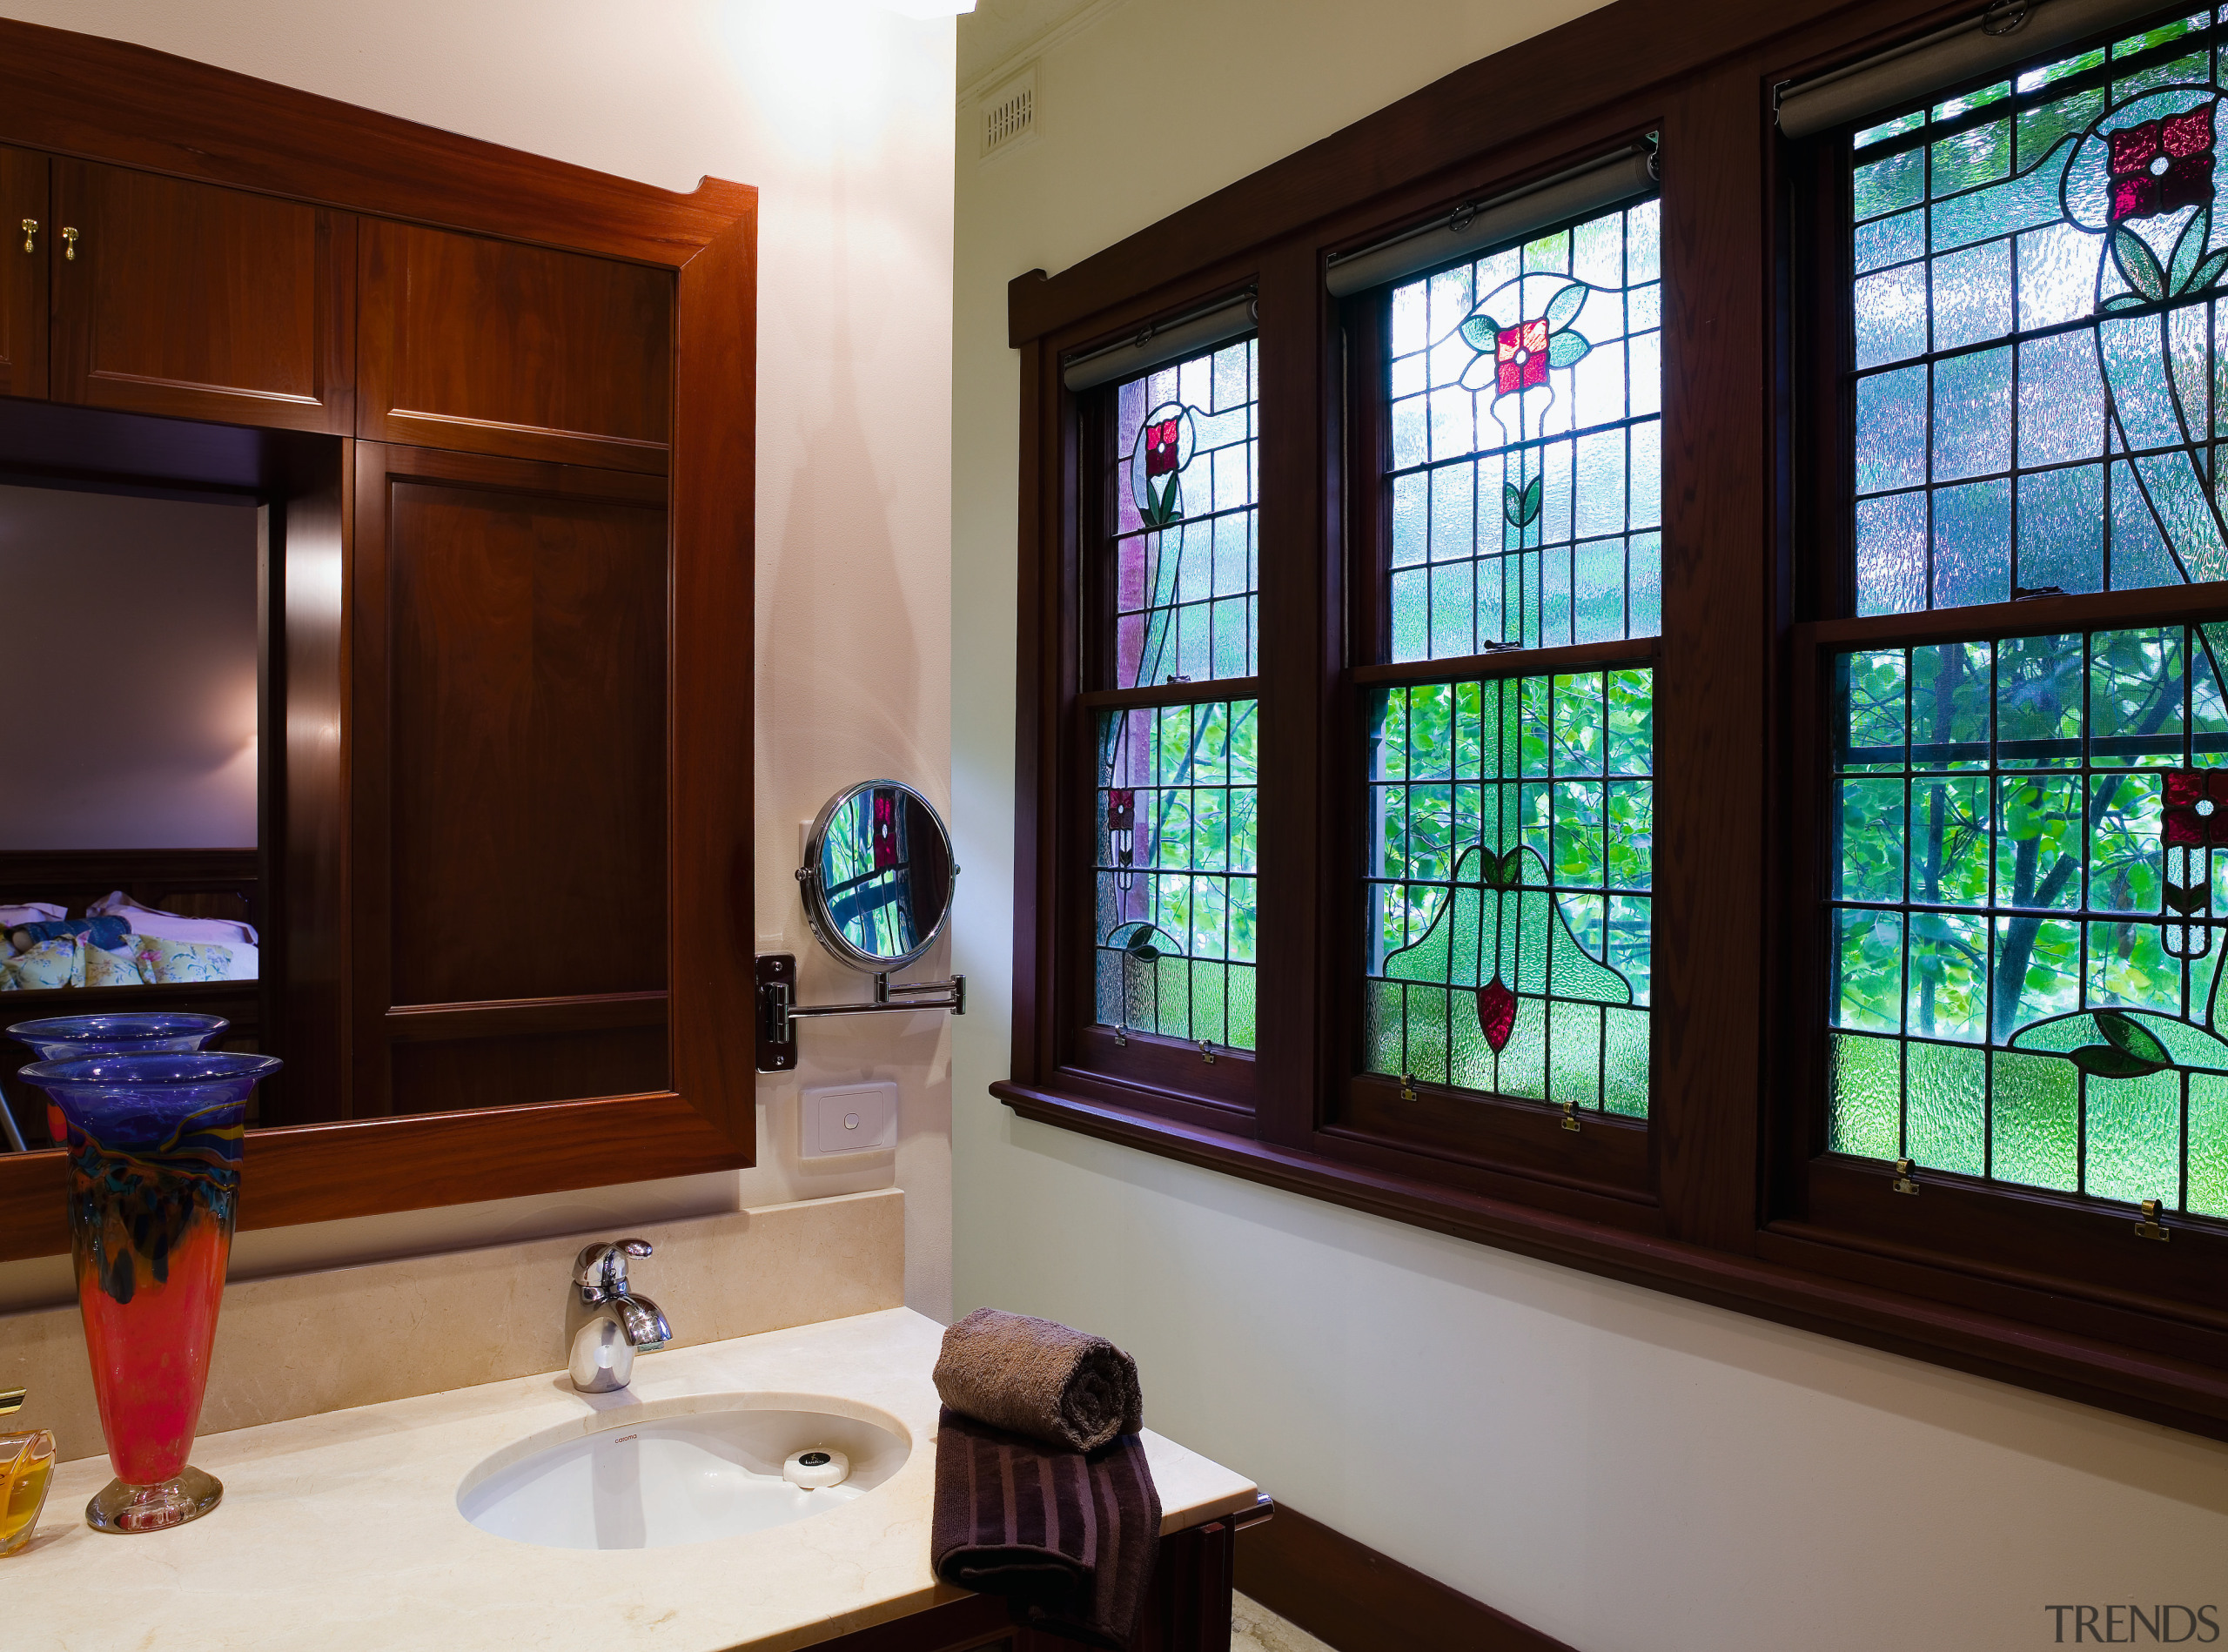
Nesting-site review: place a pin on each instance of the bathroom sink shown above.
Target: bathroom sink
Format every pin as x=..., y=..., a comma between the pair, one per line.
x=678, y=1470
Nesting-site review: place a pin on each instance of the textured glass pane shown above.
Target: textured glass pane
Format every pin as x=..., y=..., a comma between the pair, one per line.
x=1509, y=888
x=1948, y=1108
x=1181, y=476
x=2044, y=258
x=1864, y=1111
x=1527, y=474
x=1178, y=856
x=2025, y=901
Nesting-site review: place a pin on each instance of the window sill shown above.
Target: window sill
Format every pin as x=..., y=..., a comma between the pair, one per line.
x=2114, y=1376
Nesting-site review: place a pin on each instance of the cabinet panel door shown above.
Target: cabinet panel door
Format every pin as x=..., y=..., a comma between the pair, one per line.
x=199, y=302
x=508, y=771
x=22, y=272
x=488, y=346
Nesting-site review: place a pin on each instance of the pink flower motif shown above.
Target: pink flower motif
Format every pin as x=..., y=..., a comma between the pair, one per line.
x=1522, y=360
x=1496, y=1013
x=2161, y=165
x=1121, y=808
x=1161, y=445
x=2196, y=809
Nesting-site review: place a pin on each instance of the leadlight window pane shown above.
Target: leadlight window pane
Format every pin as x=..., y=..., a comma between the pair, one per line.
x=1184, y=466
x=2038, y=315
x=1179, y=835
x=1509, y=887
x=2025, y=965
x=1526, y=398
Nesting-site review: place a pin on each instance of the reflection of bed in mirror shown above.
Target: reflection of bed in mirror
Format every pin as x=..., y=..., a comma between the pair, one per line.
x=94, y=931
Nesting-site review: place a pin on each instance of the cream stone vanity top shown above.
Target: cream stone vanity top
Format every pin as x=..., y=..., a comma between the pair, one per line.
x=341, y=1532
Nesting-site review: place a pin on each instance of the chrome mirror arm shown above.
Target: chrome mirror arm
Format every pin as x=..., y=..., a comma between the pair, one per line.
x=778, y=1012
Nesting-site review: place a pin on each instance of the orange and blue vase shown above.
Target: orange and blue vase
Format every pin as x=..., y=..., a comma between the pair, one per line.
x=153, y=1142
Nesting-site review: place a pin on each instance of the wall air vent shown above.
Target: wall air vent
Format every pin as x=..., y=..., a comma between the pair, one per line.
x=1009, y=113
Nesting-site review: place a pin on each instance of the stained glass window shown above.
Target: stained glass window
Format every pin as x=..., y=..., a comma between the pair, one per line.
x=1525, y=397
x=1508, y=921
x=1178, y=834
x=1184, y=488
x=2038, y=320
x=2025, y=967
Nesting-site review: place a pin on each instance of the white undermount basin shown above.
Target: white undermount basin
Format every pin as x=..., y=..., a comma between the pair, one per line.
x=677, y=1471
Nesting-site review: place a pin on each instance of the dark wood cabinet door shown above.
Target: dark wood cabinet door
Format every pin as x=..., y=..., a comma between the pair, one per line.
x=488, y=346
x=198, y=302
x=22, y=272
x=509, y=772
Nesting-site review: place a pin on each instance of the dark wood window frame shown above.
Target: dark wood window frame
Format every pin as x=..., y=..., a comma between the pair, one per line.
x=1725, y=1198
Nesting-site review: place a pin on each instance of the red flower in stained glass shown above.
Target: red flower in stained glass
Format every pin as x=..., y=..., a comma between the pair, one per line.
x=2162, y=165
x=1522, y=358
x=885, y=828
x=1121, y=809
x=1161, y=445
x=1496, y=1013
x=2196, y=809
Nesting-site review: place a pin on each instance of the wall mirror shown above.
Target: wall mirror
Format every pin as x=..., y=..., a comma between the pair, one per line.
x=878, y=876
x=876, y=884
x=375, y=540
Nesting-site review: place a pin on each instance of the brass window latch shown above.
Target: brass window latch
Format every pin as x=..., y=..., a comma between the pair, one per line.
x=2150, y=1227
x=1407, y=1087
x=1903, y=1183
x=1570, y=1115
x=31, y=229
x=1206, y=1052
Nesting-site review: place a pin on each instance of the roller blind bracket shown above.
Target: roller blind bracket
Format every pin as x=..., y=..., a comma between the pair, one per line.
x=1475, y=226
x=1158, y=342
x=2005, y=32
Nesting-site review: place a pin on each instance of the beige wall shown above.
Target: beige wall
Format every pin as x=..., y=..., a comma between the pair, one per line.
x=1625, y=1471
x=840, y=112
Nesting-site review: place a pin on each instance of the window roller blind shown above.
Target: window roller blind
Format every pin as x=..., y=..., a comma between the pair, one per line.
x=1505, y=218
x=1187, y=335
x=1990, y=40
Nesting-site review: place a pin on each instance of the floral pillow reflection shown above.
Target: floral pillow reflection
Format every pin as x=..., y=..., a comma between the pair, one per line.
x=163, y=961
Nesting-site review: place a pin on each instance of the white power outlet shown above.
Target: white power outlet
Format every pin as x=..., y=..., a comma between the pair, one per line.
x=851, y=1118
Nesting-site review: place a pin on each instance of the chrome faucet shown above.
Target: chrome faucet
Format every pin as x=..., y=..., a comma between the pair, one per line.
x=617, y=1324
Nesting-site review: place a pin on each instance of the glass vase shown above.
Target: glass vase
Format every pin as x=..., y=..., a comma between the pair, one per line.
x=58, y=1037
x=154, y=1149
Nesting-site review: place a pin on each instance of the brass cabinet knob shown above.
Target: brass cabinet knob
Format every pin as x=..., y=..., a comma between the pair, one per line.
x=30, y=228
x=69, y=243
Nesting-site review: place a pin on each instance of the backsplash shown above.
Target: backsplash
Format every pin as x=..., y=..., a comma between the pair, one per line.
x=302, y=1343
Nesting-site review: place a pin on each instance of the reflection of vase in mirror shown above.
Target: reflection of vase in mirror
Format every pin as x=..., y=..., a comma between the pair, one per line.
x=884, y=874
x=154, y=1152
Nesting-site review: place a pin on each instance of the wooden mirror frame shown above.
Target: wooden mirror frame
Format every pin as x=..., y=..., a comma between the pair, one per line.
x=81, y=96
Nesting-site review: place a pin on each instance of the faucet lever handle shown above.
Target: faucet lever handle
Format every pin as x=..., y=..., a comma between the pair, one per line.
x=602, y=1270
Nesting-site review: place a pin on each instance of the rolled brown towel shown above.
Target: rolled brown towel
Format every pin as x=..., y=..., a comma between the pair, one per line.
x=1039, y=1378
x=1067, y=1537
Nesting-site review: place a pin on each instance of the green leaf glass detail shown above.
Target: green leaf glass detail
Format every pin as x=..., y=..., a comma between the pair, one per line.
x=2021, y=904
x=1176, y=869
x=2079, y=229
x=1508, y=892
x=1181, y=494
x=1532, y=378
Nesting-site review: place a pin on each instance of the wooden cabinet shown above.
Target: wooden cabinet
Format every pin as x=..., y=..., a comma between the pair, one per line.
x=509, y=780
x=22, y=272
x=488, y=346
x=197, y=302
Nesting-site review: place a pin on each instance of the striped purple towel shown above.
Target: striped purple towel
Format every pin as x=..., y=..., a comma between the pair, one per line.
x=1068, y=1537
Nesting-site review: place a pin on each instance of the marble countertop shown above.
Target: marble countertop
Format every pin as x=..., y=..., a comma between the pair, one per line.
x=341, y=1530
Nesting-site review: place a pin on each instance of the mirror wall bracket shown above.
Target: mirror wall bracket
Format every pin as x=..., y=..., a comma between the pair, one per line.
x=778, y=1011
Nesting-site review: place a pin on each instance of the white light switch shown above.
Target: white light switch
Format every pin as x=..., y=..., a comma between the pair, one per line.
x=855, y=1118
